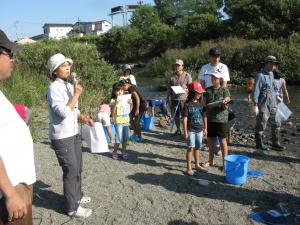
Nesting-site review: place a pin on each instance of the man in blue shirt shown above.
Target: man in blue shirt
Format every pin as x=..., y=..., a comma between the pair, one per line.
x=264, y=97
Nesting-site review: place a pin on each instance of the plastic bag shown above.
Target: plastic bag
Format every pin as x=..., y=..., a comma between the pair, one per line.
x=95, y=138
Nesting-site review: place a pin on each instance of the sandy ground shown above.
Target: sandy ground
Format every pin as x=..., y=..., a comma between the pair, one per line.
x=150, y=188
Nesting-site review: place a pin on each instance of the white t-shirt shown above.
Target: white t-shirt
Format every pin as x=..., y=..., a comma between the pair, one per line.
x=131, y=77
x=208, y=69
x=104, y=118
x=16, y=145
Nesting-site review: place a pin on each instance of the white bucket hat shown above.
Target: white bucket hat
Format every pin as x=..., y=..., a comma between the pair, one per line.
x=56, y=60
x=216, y=74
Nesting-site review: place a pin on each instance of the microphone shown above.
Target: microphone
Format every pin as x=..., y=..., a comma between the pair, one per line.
x=73, y=76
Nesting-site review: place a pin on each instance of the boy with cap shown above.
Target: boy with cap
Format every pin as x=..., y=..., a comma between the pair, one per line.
x=204, y=77
x=183, y=79
x=216, y=99
x=194, y=125
x=264, y=97
x=17, y=170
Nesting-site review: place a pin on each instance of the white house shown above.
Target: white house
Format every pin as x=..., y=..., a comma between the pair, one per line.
x=57, y=30
x=93, y=28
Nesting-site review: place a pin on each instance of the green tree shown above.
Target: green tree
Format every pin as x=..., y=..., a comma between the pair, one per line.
x=171, y=10
x=156, y=36
x=263, y=19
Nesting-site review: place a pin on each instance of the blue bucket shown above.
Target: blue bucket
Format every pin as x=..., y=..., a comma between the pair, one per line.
x=147, y=122
x=113, y=131
x=236, y=168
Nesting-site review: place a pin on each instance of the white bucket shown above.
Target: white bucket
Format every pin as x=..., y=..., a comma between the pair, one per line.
x=283, y=112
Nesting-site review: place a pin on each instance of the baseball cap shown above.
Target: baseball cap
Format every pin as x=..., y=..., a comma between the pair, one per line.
x=196, y=86
x=179, y=62
x=56, y=60
x=127, y=67
x=216, y=74
x=271, y=59
x=214, y=52
x=6, y=43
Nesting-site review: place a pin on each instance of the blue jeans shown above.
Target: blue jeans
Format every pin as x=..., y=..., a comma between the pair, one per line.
x=195, y=140
x=122, y=133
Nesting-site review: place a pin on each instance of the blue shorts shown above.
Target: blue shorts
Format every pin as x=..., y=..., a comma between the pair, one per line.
x=122, y=133
x=195, y=140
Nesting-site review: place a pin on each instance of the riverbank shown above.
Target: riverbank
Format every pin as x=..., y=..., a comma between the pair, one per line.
x=151, y=188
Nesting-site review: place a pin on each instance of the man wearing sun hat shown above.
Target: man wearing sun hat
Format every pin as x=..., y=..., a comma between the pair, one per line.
x=17, y=170
x=182, y=79
x=264, y=97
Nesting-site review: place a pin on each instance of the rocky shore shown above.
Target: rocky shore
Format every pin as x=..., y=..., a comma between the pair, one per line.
x=151, y=188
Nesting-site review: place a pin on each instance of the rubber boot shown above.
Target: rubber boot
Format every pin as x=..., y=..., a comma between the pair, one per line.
x=276, y=143
x=259, y=142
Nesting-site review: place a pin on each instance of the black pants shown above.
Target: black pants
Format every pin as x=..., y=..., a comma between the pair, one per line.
x=69, y=156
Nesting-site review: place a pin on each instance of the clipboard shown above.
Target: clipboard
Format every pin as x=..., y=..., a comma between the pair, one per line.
x=178, y=90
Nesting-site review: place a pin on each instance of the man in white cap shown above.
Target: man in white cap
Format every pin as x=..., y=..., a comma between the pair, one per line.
x=183, y=79
x=17, y=170
x=264, y=97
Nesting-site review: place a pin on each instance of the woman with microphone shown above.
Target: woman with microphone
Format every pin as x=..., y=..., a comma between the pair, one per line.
x=62, y=98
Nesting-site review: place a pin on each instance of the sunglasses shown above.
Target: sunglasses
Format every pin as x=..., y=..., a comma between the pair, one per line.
x=10, y=54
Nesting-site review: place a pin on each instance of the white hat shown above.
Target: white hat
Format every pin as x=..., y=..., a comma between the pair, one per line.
x=56, y=60
x=216, y=74
x=178, y=62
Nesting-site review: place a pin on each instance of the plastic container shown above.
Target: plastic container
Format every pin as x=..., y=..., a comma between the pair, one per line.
x=113, y=131
x=283, y=112
x=147, y=122
x=236, y=169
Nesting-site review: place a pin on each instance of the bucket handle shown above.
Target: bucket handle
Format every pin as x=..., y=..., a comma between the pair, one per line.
x=234, y=168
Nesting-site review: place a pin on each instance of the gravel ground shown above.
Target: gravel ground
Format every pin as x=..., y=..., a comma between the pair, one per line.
x=151, y=188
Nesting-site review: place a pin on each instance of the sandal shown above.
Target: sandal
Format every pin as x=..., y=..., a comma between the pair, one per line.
x=114, y=155
x=125, y=156
x=205, y=165
x=201, y=169
x=191, y=173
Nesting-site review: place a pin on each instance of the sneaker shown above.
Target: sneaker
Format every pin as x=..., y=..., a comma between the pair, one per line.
x=81, y=212
x=84, y=200
x=133, y=137
x=114, y=155
x=177, y=132
x=139, y=139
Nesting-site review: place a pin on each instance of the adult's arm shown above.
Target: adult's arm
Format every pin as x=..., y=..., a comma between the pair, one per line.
x=15, y=205
x=137, y=102
x=201, y=77
x=286, y=93
x=226, y=76
x=257, y=87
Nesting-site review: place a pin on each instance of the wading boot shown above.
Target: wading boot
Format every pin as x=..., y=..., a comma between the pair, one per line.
x=276, y=143
x=259, y=142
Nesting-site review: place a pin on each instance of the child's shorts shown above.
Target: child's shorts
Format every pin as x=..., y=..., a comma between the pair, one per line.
x=217, y=130
x=122, y=133
x=104, y=119
x=195, y=140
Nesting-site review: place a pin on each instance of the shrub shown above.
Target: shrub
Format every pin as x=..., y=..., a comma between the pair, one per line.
x=241, y=56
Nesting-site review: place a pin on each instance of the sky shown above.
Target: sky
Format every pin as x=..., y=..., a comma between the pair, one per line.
x=25, y=18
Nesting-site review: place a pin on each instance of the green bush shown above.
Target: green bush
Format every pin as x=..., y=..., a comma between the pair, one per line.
x=241, y=56
x=31, y=77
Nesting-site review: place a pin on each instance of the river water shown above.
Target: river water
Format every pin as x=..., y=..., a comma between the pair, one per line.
x=238, y=93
